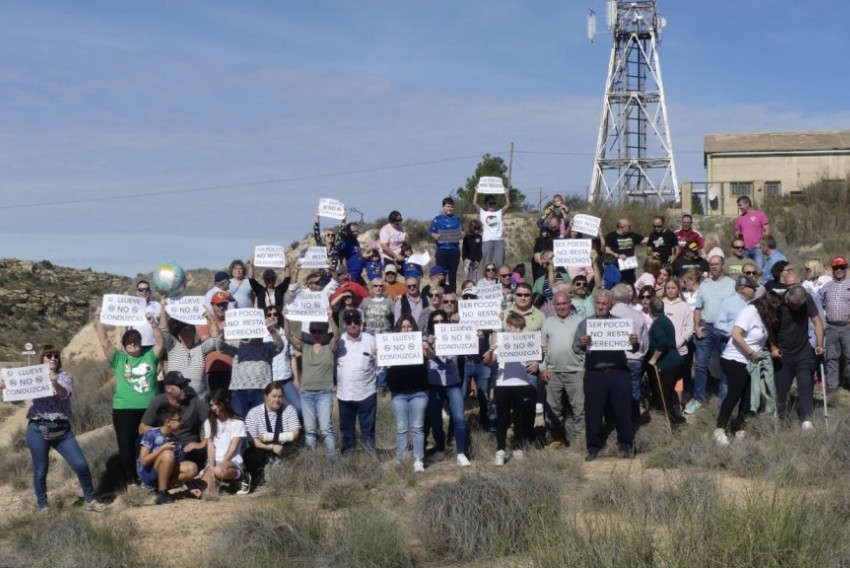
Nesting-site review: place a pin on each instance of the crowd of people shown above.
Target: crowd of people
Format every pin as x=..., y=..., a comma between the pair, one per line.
x=738, y=324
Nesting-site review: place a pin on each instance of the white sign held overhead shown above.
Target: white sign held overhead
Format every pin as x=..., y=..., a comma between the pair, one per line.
x=118, y=309
x=586, y=224
x=519, y=347
x=455, y=339
x=572, y=252
x=270, y=256
x=244, y=323
x=609, y=334
x=188, y=309
x=314, y=257
x=420, y=258
x=482, y=314
x=331, y=208
x=27, y=383
x=308, y=306
x=491, y=184
x=399, y=349
x=628, y=263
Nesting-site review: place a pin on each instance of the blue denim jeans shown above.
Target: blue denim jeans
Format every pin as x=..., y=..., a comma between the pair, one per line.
x=290, y=393
x=636, y=374
x=317, y=407
x=363, y=411
x=482, y=374
x=244, y=400
x=409, y=412
x=714, y=340
x=69, y=449
x=755, y=255
x=437, y=395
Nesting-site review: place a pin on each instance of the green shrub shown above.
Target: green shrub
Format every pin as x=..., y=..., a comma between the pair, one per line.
x=308, y=472
x=341, y=493
x=367, y=538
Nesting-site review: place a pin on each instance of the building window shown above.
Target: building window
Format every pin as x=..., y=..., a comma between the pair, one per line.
x=773, y=188
x=739, y=188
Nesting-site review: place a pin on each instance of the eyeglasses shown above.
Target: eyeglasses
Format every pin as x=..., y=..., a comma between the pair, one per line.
x=749, y=272
x=440, y=295
x=450, y=301
x=519, y=295
x=51, y=355
x=490, y=269
x=143, y=289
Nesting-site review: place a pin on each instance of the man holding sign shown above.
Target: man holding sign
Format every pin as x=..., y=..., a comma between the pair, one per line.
x=492, y=239
x=607, y=382
x=447, y=230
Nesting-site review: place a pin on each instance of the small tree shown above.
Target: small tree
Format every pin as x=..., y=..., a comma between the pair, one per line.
x=493, y=166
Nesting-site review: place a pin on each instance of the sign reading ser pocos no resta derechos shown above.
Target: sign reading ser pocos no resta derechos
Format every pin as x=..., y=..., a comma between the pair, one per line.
x=609, y=334
x=244, y=323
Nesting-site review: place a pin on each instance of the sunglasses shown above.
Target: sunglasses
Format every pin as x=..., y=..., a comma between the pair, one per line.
x=504, y=275
x=439, y=320
x=436, y=295
x=143, y=289
x=274, y=314
x=839, y=268
x=749, y=272
x=490, y=269
x=450, y=301
x=646, y=297
x=579, y=284
x=737, y=248
x=518, y=295
x=352, y=322
x=658, y=226
x=51, y=355
x=412, y=286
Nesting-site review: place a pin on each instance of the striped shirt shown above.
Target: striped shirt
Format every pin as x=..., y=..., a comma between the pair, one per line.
x=191, y=362
x=710, y=295
x=252, y=365
x=255, y=422
x=835, y=296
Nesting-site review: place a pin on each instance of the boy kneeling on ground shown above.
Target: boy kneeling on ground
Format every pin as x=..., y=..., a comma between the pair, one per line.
x=161, y=462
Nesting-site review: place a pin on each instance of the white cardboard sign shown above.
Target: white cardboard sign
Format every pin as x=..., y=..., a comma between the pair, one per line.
x=308, y=306
x=628, y=263
x=519, y=347
x=118, y=309
x=587, y=224
x=188, y=309
x=27, y=383
x=270, y=256
x=489, y=292
x=572, y=252
x=399, y=349
x=482, y=314
x=244, y=323
x=491, y=184
x=331, y=208
x=455, y=339
x=315, y=257
x=420, y=258
x=609, y=334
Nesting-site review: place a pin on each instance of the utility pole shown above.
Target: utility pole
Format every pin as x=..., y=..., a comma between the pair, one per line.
x=510, y=166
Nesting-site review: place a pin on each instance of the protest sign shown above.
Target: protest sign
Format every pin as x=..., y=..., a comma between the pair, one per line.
x=27, y=383
x=420, y=258
x=331, y=208
x=314, y=257
x=519, y=347
x=451, y=235
x=490, y=184
x=270, y=256
x=118, y=309
x=188, y=309
x=609, y=334
x=572, y=252
x=244, y=323
x=483, y=314
x=489, y=292
x=627, y=263
x=586, y=224
x=399, y=349
x=455, y=339
x=308, y=306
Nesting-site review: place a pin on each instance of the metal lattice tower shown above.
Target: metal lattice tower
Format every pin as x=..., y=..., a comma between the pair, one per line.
x=634, y=152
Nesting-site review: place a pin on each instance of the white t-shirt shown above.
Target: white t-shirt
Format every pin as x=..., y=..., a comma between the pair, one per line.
x=512, y=374
x=154, y=308
x=227, y=430
x=493, y=228
x=755, y=335
x=356, y=368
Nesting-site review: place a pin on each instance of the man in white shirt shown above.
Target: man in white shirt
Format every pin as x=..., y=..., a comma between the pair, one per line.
x=356, y=372
x=143, y=290
x=492, y=238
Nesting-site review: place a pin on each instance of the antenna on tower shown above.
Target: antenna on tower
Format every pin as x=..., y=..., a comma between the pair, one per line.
x=634, y=152
x=591, y=25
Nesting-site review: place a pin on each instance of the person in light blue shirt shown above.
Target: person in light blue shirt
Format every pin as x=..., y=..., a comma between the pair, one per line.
x=767, y=244
x=745, y=290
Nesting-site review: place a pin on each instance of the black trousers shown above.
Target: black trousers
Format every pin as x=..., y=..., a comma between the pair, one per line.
x=513, y=408
x=611, y=391
x=126, y=424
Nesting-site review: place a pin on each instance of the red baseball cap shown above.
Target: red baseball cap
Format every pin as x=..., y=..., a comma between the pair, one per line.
x=220, y=298
x=838, y=261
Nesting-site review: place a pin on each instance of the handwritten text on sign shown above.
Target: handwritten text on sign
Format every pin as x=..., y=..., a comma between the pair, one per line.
x=188, y=309
x=455, y=339
x=399, y=349
x=572, y=252
x=308, y=306
x=331, y=208
x=271, y=256
x=118, y=309
x=490, y=184
x=27, y=383
x=519, y=347
x=609, y=334
x=587, y=224
x=483, y=314
x=315, y=257
x=244, y=323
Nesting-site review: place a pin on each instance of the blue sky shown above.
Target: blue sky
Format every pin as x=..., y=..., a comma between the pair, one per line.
x=151, y=106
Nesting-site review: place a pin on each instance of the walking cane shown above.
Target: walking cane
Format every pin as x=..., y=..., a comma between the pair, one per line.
x=823, y=387
x=663, y=399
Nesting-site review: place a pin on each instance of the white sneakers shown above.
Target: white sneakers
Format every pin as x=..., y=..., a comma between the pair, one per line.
x=500, y=457
x=719, y=436
x=807, y=426
x=518, y=455
x=463, y=461
x=418, y=466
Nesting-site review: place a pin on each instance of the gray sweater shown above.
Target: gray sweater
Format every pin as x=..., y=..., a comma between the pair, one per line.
x=559, y=334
